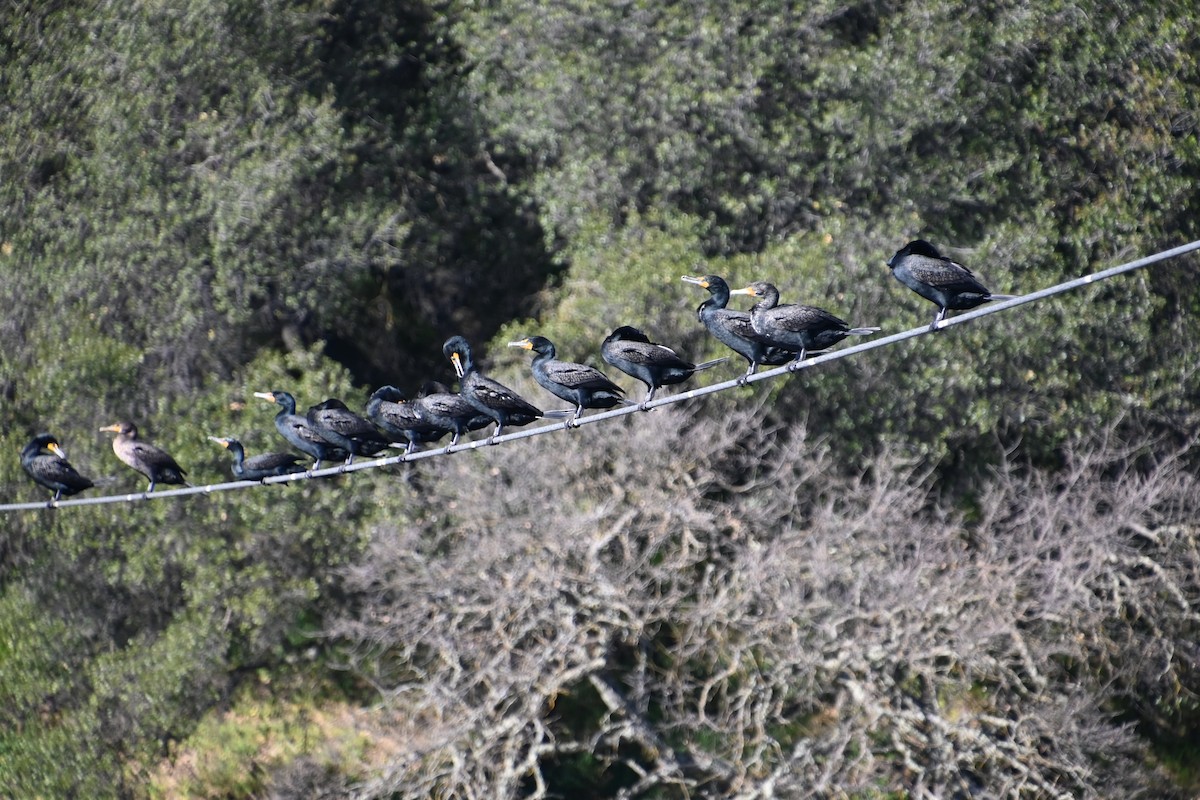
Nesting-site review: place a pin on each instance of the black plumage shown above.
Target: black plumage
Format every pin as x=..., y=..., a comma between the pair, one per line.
x=797, y=328
x=298, y=431
x=341, y=426
x=586, y=387
x=153, y=462
x=734, y=328
x=46, y=462
x=950, y=285
x=488, y=396
x=631, y=351
x=402, y=419
x=451, y=410
x=263, y=465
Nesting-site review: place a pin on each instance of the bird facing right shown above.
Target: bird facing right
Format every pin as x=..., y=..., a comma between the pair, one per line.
x=43, y=458
x=920, y=267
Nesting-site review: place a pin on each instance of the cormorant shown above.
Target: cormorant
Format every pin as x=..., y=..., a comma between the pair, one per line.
x=153, y=462
x=920, y=267
x=298, y=430
x=263, y=465
x=341, y=426
x=796, y=328
x=586, y=387
x=632, y=352
x=734, y=328
x=451, y=410
x=403, y=419
x=46, y=462
x=489, y=396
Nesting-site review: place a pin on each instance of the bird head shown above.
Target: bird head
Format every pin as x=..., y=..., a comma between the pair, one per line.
x=121, y=428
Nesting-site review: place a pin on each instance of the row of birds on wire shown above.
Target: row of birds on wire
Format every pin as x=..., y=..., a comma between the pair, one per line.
x=770, y=334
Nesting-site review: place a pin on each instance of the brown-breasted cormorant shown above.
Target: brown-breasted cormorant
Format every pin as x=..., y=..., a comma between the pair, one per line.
x=451, y=410
x=486, y=395
x=341, y=426
x=402, y=419
x=298, y=430
x=263, y=465
x=46, y=462
x=631, y=351
x=153, y=462
x=796, y=328
x=920, y=267
x=586, y=387
x=734, y=328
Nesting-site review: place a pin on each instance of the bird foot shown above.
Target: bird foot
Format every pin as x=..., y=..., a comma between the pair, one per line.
x=644, y=406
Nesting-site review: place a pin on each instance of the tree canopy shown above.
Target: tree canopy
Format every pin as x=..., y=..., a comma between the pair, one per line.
x=965, y=565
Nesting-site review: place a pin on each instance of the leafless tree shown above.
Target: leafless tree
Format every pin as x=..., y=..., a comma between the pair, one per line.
x=679, y=608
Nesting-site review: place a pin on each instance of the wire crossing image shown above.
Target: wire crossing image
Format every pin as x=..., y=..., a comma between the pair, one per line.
x=941, y=322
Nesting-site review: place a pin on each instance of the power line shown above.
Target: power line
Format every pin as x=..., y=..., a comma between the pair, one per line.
x=809, y=363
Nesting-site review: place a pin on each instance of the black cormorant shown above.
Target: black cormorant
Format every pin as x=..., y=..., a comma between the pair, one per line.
x=489, y=396
x=920, y=267
x=43, y=458
x=341, y=426
x=452, y=411
x=734, y=328
x=799, y=329
x=298, y=430
x=403, y=419
x=632, y=352
x=586, y=387
x=153, y=462
x=263, y=465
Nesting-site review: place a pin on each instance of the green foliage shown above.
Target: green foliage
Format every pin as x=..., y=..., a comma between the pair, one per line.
x=201, y=202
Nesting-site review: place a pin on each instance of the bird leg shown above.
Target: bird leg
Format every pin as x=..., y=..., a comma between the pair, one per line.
x=749, y=371
x=937, y=318
x=151, y=487
x=794, y=364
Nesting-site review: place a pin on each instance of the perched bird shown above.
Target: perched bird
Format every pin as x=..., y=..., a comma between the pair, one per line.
x=342, y=427
x=153, y=462
x=298, y=430
x=488, y=396
x=632, y=352
x=798, y=329
x=403, y=419
x=43, y=458
x=920, y=267
x=734, y=328
x=263, y=465
x=450, y=410
x=586, y=387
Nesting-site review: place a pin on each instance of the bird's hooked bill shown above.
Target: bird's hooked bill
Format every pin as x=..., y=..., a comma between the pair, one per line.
x=456, y=360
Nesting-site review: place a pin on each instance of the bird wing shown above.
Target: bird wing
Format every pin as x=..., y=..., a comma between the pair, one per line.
x=304, y=430
x=270, y=461
x=579, y=376
x=341, y=421
x=654, y=355
x=494, y=394
x=737, y=323
x=799, y=318
x=151, y=454
x=944, y=273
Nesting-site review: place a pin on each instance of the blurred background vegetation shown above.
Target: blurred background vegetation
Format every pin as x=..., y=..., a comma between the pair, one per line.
x=202, y=200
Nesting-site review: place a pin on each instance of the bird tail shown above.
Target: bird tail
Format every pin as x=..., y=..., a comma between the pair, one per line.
x=862, y=331
x=711, y=364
